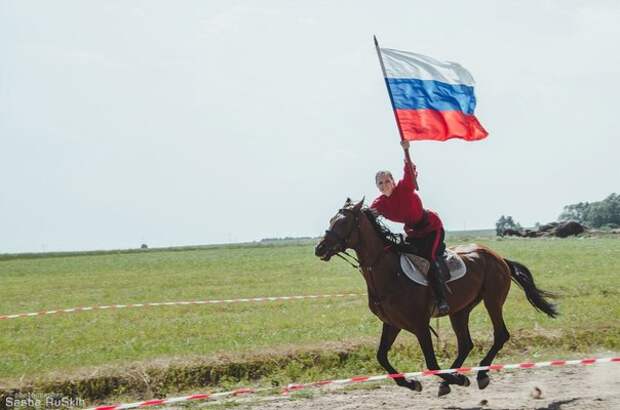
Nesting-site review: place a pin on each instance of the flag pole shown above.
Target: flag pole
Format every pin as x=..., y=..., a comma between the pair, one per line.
x=400, y=130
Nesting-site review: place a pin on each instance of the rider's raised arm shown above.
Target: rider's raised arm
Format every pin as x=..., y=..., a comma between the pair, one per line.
x=410, y=173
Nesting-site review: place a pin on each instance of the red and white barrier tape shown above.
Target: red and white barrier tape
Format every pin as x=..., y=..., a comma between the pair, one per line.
x=362, y=379
x=193, y=302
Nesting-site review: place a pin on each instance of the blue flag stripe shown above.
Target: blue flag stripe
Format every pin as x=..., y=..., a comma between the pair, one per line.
x=414, y=94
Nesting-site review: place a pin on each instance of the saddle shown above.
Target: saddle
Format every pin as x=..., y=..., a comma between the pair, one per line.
x=416, y=268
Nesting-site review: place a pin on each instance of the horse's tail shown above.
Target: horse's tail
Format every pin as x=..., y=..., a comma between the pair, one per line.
x=522, y=276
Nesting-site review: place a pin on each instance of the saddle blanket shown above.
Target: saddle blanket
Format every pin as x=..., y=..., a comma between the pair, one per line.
x=415, y=267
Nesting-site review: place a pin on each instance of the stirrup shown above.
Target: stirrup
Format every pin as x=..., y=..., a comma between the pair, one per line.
x=443, y=308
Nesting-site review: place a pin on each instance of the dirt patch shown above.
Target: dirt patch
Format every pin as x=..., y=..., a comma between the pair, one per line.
x=584, y=387
x=273, y=367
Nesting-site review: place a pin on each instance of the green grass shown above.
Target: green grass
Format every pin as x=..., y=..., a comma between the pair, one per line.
x=584, y=271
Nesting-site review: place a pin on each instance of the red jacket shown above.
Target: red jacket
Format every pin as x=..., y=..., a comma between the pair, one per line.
x=405, y=206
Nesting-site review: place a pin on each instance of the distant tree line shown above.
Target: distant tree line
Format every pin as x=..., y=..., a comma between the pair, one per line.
x=286, y=238
x=601, y=214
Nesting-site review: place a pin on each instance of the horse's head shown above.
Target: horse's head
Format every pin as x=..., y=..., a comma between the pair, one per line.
x=343, y=231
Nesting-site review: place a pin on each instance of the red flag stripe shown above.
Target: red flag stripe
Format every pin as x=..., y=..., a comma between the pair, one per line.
x=439, y=125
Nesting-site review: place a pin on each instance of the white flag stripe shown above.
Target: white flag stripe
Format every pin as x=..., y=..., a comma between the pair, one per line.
x=405, y=64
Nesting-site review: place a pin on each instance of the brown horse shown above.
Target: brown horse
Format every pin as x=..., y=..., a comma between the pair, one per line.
x=402, y=304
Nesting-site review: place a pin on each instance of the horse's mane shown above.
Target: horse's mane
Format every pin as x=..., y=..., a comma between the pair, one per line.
x=396, y=241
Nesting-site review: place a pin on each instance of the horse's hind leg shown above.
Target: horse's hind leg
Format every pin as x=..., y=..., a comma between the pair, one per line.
x=460, y=325
x=388, y=336
x=500, y=336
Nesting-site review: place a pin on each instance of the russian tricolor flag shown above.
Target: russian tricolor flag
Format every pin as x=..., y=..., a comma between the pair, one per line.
x=432, y=100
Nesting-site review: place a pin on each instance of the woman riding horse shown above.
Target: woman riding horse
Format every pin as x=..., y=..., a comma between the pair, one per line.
x=401, y=203
x=403, y=304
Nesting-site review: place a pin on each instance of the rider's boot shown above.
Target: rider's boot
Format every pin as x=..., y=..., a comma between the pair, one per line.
x=437, y=282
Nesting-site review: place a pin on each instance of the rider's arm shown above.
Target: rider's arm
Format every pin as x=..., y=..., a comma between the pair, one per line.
x=410, y=178
x=377, y=205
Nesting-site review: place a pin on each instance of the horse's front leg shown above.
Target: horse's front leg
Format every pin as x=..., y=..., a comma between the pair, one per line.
x=426, y=343
x=460, y=325
x=388, y=336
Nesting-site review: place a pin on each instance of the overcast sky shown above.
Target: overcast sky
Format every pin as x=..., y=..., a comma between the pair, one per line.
x=197, y=122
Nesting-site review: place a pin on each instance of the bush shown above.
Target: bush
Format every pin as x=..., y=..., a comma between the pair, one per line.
x=506, y=223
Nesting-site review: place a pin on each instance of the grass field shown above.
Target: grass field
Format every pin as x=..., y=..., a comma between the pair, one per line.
x=270, y=342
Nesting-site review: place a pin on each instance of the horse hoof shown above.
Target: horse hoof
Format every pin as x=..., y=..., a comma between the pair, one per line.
x=415, y=385
x=466, y=381
x=444, y=389
x=483, y=382
x=411, y=384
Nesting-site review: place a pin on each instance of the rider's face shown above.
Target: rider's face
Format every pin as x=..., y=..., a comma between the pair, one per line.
x=385, y=183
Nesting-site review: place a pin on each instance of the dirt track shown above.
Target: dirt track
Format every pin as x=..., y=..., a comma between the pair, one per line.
x=587, y=387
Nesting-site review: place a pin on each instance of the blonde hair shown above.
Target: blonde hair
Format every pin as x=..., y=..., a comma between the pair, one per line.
x=382, y=173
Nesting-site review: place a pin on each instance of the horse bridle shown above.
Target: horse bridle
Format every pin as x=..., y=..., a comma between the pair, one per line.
x=342, y=242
